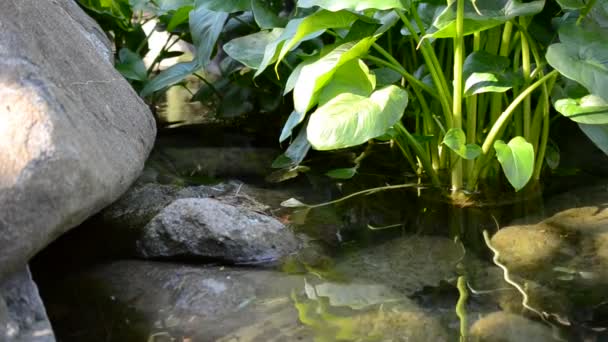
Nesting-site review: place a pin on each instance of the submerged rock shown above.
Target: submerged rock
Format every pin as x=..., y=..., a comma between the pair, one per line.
x=135, y=300
x=505, y=327
x=406, y=264
x=22, y=314
x=208, y=228
x=74, y=133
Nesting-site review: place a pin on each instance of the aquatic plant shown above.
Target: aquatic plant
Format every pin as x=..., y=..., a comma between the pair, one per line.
x=461, y=87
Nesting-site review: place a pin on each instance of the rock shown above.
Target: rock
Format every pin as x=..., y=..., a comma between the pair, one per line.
x=22, y=314
x=505, y=327
x=208, y=228
x=134, y=300
x=530, y=249
x=74, y=134
x=406, y=264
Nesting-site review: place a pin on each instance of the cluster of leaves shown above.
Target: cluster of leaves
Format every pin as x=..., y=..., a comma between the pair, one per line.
x=447, y=82
x=202, y=25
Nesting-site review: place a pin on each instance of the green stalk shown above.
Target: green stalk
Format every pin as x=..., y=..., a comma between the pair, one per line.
x=500, y=124
x=542, y=148
x=471, y=103
x=436, y=73
x=496, y=103
x=394, y=64
x=419, y=151
x=526, y=68
x=457, y=180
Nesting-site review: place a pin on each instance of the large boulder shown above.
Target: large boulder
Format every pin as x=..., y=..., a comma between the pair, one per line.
x=22, y=315
x=74, y=134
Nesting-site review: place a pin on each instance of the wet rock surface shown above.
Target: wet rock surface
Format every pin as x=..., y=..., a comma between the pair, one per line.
x=208, y=228
x=22, y=314
x=506, y=327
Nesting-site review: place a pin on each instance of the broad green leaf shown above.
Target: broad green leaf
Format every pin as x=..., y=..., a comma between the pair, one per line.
x=265, y=15
x=586, y=109
x=169, y=77
x=481, y=15
x=228, y=6
x=598, y=134
x=349, y=119
x=353, y=77
x=517, y=160
x=131, y=65
x=456, y=140
x=249, y=50
x=180, y=16
x=355, y=5
x=319, y=21
x=299, y=147
x=316, y=73
x=344, y=173
x=484, y=72
x=272, y=50
x=293, y=120
x=119, y=10
x=205, y=28
x=582, y=56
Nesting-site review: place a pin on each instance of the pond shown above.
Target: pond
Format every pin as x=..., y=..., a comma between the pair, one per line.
x=385, y=266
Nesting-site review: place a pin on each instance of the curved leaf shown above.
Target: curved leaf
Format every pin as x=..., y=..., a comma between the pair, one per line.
x=314, y=23
x=169, y=77
x=316, y=73
x=355, y=5
x=582, y=56
x=517, y=160
x=598, y=134
x=456, y=140
x=353, y=77
x=586, y=109
x=249, y=49
x=484, y=72
x=266, y=15
x=349, y=119
x=205, y=28
x=344, y=173
x=293, y=120
x=131, y=65
x=481, y=15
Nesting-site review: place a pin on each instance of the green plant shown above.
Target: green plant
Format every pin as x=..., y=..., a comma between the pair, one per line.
x=453, y=84
x=203, y=24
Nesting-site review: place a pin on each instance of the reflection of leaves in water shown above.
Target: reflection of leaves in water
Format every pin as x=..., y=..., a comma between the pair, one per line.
x=355, y=296
x=406, y=264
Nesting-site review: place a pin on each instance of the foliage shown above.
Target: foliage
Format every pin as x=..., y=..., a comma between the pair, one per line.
x=461, y=86
x=203, y=26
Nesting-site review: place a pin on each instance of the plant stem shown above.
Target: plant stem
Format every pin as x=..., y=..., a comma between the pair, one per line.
x=471, y=105
x=419, y=150
x=394, y=64
x=526, y=68
x=436, y=72
x=542, y=148
x=502, y=120
x=457, y=95
x=500, y=124
x=496, y=102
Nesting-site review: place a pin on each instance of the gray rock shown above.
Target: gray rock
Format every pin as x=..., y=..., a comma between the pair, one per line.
x=206, y=227
x=22, y=314
x=406, y=264
x=138, y=299
x=134, y=300
x=505, y=327
x=74, y=135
